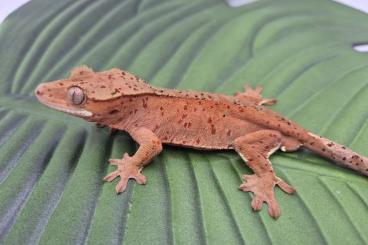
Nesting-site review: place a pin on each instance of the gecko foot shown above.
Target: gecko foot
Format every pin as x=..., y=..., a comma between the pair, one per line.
x=263, y=189
x=126, y=169
x=254, y=95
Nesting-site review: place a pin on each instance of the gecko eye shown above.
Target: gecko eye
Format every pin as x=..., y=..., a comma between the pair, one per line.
x=75, y=95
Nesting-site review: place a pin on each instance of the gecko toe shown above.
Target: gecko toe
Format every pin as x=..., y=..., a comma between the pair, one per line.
x=114, y=162
x=273, y=208
x=121, y=186
x=285, y=187
x=244, y=187
x=110, y=177
x=140, y=178
x=257, y=203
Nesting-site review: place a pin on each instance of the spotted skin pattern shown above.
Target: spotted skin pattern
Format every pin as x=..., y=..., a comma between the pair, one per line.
x=200, y=120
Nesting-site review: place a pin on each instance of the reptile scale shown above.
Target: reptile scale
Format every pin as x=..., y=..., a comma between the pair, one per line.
x=200, y=120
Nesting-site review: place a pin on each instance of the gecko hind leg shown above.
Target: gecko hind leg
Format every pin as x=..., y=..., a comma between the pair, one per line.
x=255, y=149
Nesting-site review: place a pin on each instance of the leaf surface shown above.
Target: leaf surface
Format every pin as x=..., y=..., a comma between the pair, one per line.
x=52, y=164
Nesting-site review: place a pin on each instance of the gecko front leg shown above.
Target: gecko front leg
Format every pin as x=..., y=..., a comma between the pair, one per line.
x=255, y=148
x=131, y=167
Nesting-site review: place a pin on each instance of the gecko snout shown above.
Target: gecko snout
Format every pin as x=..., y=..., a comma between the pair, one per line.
x=40, y=90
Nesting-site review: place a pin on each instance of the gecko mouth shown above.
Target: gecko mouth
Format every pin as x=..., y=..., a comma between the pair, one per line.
x=74, y=111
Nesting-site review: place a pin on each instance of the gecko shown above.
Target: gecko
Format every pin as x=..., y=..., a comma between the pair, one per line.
x=200, y=120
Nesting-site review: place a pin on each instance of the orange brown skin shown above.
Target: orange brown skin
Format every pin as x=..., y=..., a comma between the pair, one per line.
x=200, y=120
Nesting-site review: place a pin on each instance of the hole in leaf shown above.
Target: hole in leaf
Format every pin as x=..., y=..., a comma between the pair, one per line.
x=361, y=47
x=238, y=3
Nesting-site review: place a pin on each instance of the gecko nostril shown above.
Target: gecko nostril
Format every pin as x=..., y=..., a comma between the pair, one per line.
x=38, y=92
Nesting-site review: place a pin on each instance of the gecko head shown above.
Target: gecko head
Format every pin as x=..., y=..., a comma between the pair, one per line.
x=71, y=95
x=90, y=94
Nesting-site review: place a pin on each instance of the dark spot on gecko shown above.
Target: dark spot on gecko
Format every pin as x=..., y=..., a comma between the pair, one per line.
x=209, y=120
x=198, y=141
x=144, y=103
x=113, y=111
x=344, y=158
x=185, y=107
x=213, y=129
x=102, y=86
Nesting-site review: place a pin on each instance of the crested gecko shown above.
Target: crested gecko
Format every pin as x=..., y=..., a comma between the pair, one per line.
x=201, y=120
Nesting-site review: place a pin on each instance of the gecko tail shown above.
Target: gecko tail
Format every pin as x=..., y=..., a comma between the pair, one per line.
x=340, y=154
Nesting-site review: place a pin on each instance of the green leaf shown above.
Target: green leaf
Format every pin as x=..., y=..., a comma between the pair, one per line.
x=52, y=164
